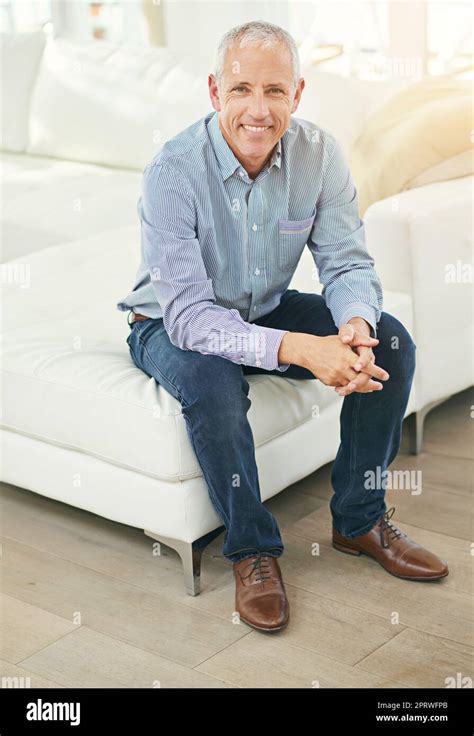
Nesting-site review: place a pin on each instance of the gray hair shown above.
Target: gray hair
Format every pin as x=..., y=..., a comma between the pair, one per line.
x=257, y=33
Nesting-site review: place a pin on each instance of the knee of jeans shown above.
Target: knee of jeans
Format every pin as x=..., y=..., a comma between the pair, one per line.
x=393, y=334
x=222, y=389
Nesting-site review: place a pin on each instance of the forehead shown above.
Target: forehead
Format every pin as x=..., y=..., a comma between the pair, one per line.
x=258, y=61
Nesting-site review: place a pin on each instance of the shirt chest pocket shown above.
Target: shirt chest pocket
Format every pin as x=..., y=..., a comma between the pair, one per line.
x=292, y=238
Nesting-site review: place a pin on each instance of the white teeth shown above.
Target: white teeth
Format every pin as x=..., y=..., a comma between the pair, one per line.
x=255, y=129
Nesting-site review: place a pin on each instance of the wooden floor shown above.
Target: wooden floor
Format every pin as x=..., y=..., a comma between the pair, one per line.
x=86, y=604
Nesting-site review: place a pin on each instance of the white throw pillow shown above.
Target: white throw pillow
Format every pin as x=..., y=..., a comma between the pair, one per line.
x=20, y=58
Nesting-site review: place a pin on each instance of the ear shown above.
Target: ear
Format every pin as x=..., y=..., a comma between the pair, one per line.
x=298, y=93
x=214, y=93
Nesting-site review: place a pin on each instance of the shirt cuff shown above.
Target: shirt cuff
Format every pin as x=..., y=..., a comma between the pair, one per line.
x=360, y=309
x=265, y=355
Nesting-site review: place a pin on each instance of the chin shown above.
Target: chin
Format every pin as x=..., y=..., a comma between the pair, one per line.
x=256, y=150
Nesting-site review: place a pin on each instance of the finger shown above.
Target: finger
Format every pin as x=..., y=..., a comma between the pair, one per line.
x=361, y=339
x=349, y=375
x=374, y=370
x=367, y=388
x=365, y=357
x=360, y=380
x=353, y=386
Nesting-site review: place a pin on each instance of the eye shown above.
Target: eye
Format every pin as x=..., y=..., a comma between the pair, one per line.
x=238, y=88
x=276, y=89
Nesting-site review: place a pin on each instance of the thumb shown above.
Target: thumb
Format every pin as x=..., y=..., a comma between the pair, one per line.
x=346, y=332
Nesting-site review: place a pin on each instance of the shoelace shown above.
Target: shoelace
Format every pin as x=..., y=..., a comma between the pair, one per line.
x=388, y=532
x=260, y=566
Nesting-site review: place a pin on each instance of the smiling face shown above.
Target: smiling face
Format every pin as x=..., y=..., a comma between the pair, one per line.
x=255, y=102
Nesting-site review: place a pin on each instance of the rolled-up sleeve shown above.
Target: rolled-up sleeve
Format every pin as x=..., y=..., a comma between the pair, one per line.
x=181, y=284
x=351, y=286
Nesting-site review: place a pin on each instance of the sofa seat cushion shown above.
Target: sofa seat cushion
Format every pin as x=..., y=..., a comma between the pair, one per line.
x=47, y=201
x=69, y=379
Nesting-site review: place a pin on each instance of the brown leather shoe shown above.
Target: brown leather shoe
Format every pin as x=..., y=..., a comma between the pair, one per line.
x=260, y=596
x=394, y=550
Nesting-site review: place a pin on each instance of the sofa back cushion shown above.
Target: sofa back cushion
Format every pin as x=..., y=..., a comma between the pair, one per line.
x=343, y=104
x=114, y=105
x=101, y=103
x=20, y=59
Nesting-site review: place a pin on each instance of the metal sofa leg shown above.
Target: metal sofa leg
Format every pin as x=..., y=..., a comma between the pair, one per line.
x=191, y=554
x=416, y=422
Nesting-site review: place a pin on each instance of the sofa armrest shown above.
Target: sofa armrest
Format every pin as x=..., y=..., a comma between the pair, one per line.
x=416, y=234
x=421, y=241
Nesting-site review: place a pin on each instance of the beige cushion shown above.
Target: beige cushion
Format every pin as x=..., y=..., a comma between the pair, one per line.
x=416, y=131
x=452, y=168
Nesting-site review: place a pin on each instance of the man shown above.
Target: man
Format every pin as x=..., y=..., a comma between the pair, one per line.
x=226, y=210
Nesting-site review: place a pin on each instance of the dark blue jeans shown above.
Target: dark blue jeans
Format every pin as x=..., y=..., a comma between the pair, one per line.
x=213, y=393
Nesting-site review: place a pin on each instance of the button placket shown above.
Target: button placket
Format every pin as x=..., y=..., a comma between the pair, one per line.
x=253, y=228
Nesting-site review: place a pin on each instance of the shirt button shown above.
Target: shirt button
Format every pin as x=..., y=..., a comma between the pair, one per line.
x=257, y=272
x=241, y=174
x=254, y=309
x=258, y=363
x=254, y=227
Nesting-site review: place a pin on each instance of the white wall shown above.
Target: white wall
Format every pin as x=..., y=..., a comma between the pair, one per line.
x=196, y=27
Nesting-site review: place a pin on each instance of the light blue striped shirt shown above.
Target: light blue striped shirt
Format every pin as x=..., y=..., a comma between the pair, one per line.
x=218, y=249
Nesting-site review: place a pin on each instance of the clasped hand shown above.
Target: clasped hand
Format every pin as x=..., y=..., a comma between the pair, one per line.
x=356, y=334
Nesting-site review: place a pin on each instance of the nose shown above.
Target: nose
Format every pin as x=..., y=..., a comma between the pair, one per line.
x=258, y=108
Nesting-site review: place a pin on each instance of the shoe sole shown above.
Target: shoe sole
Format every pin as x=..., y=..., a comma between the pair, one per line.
x=358, y=553
x=265, y=628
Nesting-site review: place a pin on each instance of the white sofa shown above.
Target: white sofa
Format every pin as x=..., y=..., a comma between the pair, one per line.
x=80, y=423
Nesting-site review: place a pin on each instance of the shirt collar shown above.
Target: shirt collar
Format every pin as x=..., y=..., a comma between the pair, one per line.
x=226, y=159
